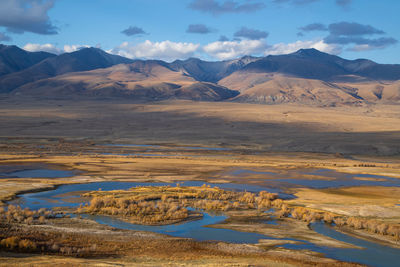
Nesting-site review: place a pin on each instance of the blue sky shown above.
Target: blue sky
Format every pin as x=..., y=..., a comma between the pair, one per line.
x=209, y=29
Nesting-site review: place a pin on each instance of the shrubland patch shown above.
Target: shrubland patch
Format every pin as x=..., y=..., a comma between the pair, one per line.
x=166, y=204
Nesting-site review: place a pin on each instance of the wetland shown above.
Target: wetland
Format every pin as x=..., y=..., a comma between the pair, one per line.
x=140, y=197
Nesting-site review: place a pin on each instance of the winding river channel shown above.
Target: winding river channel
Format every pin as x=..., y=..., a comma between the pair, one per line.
x=370, y=253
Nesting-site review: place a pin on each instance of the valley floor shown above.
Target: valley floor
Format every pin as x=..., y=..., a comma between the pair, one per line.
x=182, y=141
x=363, y=130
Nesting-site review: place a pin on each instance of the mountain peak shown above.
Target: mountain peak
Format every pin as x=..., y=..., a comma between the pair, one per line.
x=309, y=52
x=88, y=49
x=14, y=59
x=14, y=47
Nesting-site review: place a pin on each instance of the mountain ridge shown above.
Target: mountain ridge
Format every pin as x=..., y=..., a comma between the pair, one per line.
x=307, y=76
x=13, y=58
x=140, y=80
x=82, y=60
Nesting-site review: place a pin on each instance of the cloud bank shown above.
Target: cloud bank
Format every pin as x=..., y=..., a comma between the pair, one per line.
x=19, y=16
x=50, y=48
x=358, y=36
x=234, y=49
x=165, y=50
x=219, y=50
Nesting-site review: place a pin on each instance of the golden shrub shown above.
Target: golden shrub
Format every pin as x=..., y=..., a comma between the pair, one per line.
x=27, y=245
x=10, y=242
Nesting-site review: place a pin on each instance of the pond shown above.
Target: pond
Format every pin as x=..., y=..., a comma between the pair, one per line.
x=32, y=171
x=330, y=178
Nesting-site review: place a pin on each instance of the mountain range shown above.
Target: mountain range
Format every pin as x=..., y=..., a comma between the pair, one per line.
x=307, y=76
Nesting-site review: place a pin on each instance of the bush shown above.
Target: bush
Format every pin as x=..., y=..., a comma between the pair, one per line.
x=42, y=219
x=328, y=218
x=10, y=243
x=27, y=245
x=340, y=221
x=161, y=204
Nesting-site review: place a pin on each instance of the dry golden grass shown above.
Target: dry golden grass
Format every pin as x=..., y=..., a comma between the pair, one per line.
x=374, y=210
x=50, y=261
x=371, y=130
x=378, y=118
x=379, y=202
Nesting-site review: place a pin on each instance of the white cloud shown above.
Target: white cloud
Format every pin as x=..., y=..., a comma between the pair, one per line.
x=219, y=50
x=234, y=49
x=52, y=48
x=327, y=48
x=165, y=50
x=42, y=47
x=282, y=48
x=73, y=48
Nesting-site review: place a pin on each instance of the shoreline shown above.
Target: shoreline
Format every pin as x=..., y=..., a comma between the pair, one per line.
x=194, y=217
x=370, y=237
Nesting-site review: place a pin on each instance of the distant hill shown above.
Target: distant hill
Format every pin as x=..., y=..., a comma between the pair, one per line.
x=13, y=59
x=277, y=89
x=307, y=76
x=142, y=81
x=313, y=64
x=81, y=60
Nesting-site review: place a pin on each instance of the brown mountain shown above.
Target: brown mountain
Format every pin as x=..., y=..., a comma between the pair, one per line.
x=81, y=60
x=307, y=76
x=275, y=88
x=312, y=77
x=141, y=80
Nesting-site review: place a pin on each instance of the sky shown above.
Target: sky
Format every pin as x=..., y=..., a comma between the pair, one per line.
x=207, y=29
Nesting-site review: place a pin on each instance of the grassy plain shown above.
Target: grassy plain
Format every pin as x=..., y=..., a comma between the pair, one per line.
x=367, y=130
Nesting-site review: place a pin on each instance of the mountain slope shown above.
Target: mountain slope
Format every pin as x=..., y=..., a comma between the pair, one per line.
x=13, y=58
x=375, y=92
x=141, y=80
x=313, y=64
x=81, y=60
x=207, y=71
x=277, y=89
